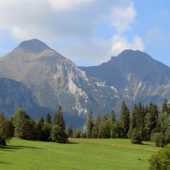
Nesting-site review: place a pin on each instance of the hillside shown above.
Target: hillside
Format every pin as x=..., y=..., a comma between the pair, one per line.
x=49, y=80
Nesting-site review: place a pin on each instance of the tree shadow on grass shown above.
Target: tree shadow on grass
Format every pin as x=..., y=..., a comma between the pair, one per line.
x=4, y=162
x=15, y=147
x=71, y=143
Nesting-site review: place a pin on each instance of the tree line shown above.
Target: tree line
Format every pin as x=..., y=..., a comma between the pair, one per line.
x=143, y=123
x=22, y=126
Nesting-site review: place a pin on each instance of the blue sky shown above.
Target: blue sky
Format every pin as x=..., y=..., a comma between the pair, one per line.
x=88, y=32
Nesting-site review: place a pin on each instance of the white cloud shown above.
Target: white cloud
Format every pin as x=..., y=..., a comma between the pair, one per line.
x=122, y=17
x=65, y=5
x=156, y=37
x=58, y=21
x=96, y=51
x=120, y=43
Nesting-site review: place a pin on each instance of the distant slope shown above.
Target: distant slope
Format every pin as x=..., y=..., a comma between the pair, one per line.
x=53, y=80
x=135, y=76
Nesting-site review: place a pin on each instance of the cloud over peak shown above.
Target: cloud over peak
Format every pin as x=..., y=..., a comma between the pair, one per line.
x=72, y=23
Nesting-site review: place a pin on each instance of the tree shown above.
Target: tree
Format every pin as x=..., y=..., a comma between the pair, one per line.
x=69, y=131
x=159, y=139
x=77, y=133
x=48, y=118
x=6, y=130
x=124, y=119
x=149, y=125
x=165, y=106
x=58, y=135
x=46, y=131
x=90, y=124
x=136, y=136
x=97, y=124
x=112, y=118
x=42, y=119
x=116, y=129
x=24, y=129
x=94, y=133
x=20, y=113
x=38, y=129
x=160, y=160
x=58, y=118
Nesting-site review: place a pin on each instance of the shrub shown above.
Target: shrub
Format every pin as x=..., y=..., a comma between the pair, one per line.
x=161, y=160
x=159, y=139
x=58, y=135
x=136, y=137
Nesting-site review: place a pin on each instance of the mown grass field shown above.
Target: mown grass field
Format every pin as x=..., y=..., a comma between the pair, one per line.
x=82, y=154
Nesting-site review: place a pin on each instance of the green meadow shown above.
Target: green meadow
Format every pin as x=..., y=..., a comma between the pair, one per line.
x=81, y=154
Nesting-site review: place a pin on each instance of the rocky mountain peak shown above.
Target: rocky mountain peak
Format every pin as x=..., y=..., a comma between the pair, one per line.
x=34, y=46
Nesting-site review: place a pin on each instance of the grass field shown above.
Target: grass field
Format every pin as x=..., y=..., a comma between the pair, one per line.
x=82, y=154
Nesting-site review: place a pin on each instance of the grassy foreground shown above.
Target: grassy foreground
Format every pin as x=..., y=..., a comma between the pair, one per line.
x=82, y=154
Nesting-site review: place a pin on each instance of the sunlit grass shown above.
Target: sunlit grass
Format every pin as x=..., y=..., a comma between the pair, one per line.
x=118, y=154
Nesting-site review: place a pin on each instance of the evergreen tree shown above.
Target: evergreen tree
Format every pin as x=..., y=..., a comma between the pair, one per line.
x=6, y=130
x=97, y=124
x=116, y=129
x=48, y=118
x=165, y=106
x=104, y=128
x=124, y=119
x=58, y=118
x=39, y=129
x=46, y=131
x=90, y=124
x=77, y=133
x=42, y=119
x=94, y=133
x=146, y=109
x=112, y=118
x=69, y=131
x=58, y=135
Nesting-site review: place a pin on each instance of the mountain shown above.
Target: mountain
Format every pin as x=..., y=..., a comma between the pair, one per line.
x=134, y=76
x=39, y=79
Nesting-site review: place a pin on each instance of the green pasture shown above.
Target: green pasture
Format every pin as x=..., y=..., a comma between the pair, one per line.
x=82, y=154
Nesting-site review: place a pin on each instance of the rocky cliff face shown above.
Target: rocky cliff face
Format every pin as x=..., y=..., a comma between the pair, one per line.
x=37, y=78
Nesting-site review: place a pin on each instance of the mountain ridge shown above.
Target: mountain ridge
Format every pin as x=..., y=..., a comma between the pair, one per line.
x=54, y=80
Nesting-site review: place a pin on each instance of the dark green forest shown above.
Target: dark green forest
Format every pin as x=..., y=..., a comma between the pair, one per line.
x=143, y=123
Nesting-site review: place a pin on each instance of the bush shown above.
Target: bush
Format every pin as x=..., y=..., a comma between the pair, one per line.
x=159, y=139
x=161, y=160
x=58, y=135
x=136, y=137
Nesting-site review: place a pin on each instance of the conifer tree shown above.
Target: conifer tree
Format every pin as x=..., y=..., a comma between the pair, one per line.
x=124, y=119
x=90, y=124
x=58, y=118
x=97, y=124
x=165, y=106
x=112, y=118
x=69, y=131
x=48, y=118
x=42, y=119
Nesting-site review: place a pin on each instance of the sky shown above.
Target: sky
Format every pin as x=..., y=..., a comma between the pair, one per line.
x=88, y=32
